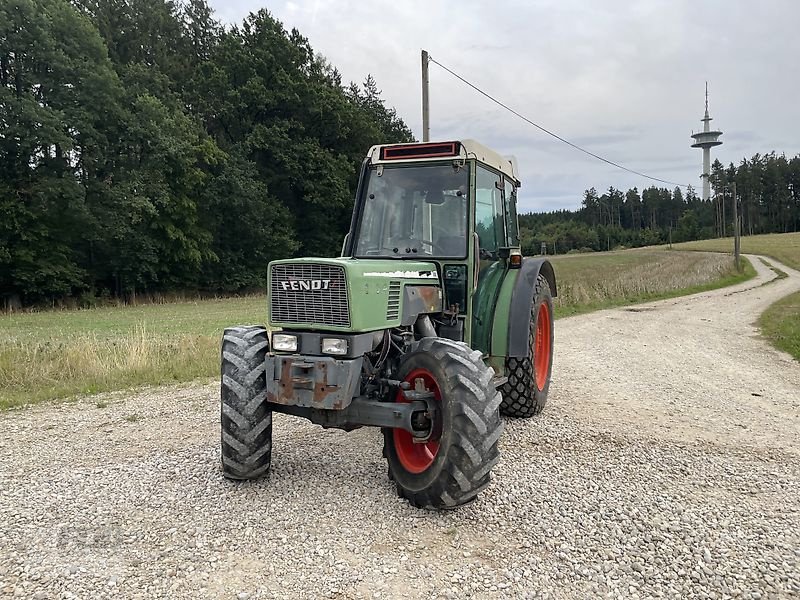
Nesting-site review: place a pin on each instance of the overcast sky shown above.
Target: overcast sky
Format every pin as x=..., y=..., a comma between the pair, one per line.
x=625, y=79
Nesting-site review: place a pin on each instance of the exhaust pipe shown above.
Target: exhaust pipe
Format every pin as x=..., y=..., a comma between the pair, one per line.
x=424, y=327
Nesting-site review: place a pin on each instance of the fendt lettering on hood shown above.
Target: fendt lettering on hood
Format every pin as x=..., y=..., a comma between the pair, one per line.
x=302, y=285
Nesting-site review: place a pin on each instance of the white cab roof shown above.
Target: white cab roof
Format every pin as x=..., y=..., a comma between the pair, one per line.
x=469, y=149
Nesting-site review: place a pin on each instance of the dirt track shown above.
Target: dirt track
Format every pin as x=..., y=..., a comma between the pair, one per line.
x=666, y=464
x=686, y=369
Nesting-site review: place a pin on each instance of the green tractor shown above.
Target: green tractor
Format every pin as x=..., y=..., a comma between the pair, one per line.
x=431, y=325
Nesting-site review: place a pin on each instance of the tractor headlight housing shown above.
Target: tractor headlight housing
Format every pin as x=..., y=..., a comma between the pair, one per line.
x=284, y=342
x=334, y=346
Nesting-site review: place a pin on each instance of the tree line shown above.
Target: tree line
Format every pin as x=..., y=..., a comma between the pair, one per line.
x=767, y=188
x=145, y=147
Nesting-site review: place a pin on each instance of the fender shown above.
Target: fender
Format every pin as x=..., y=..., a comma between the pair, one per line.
x=521, y=299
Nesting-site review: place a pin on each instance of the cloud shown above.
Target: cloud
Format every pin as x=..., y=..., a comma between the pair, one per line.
x=625, y=80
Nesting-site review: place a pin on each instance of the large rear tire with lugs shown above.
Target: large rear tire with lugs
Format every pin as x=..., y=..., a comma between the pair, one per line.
x=454, y=465
x=525, y=392
x=245, y=418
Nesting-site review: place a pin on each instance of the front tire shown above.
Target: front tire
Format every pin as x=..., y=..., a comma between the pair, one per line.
x=245, y=419
x=454, y=466
x=525, y=392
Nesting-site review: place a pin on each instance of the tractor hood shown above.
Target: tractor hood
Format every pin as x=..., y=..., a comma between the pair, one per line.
x=350, y=294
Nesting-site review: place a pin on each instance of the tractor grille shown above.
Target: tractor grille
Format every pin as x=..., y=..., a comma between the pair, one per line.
x=393, y=303
x=309, y=293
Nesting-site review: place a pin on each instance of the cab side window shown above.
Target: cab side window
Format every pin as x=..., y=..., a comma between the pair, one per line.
x=489, y=213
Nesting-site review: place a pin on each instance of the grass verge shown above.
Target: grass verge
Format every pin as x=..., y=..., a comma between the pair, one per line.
x=87, y=364
x=780, y=324
x=780, y=274
x=65, y=353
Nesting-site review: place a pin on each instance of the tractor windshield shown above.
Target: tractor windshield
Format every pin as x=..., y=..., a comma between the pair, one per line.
x=415, y=210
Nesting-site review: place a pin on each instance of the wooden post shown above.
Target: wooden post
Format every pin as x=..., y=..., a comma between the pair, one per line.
x=723, y=212
x=426, y=117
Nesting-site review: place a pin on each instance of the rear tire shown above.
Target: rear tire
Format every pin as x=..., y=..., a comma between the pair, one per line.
x=525, y=392
x=454, y=467
x=246, y=421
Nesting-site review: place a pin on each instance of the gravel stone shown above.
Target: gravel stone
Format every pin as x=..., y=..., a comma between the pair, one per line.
x=637, y=481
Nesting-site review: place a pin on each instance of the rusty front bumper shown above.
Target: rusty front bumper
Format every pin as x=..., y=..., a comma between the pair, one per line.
x=312, y=381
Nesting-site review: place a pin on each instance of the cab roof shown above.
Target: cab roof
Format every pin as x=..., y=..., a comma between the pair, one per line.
x=436, y=151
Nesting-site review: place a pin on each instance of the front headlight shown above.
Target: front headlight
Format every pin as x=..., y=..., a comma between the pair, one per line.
x=334, y=346
x=284, y=342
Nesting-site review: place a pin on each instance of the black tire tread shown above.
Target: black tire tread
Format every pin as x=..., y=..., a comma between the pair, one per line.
x=521, y=399
x=476, y=429
x=246, y=421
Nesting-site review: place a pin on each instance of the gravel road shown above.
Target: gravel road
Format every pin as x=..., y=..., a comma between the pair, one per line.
x=667, y=464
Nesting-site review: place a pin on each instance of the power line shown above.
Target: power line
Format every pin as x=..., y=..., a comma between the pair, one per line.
x=550, y=133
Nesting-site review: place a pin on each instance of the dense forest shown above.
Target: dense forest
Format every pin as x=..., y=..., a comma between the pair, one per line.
x=144, y=147
x=767, y=189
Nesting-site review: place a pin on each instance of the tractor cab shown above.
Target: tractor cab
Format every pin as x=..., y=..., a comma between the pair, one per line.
x=452, y=203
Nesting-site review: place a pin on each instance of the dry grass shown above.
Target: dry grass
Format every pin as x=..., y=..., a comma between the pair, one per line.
x=63, y=353
x=784, y=247
x=84, y=364
x=592, y=281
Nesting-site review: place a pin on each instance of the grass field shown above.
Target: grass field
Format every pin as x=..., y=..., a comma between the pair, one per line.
x=784, y=247
x=59, y=354
x=589, y=282
x=780, y=324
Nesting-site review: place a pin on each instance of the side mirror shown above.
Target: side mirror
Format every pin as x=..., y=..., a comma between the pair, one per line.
x=344, y=244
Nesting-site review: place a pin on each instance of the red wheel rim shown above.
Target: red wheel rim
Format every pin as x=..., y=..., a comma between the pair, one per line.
x=543, y=347
x=416, y=457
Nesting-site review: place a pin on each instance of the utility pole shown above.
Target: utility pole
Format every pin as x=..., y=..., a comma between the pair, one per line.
x=426, y=117
x=737, y=224
x=723, y=213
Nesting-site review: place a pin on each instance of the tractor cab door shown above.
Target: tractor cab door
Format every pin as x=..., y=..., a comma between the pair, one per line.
x=491, y=234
